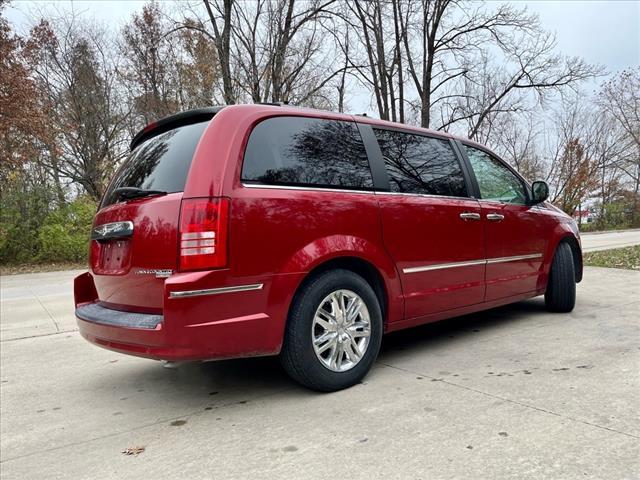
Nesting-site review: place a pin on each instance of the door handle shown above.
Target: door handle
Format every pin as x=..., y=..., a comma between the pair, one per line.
x=469, y=216
x=495, y=217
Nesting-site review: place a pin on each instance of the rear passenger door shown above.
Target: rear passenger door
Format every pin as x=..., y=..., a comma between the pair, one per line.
x=431, y=226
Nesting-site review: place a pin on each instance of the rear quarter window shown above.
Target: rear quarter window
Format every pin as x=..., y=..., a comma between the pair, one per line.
x=160, y=163
x=307, y=151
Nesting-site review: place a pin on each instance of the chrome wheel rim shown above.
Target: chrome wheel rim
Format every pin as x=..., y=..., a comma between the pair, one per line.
x=341, y=330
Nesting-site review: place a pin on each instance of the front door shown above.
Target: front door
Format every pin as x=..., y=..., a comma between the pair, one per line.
x=431, y=227
x=516, y=233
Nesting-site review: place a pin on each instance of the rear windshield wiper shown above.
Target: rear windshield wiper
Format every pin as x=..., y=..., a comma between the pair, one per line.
x=127, y=193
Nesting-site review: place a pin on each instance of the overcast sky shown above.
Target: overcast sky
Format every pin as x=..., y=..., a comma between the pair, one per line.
x=604, y=32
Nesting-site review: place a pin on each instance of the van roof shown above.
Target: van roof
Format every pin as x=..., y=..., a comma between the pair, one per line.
x=204, y=114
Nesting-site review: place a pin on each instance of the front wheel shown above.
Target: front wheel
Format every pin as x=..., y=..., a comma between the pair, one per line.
x=561, y=287
x=333, y=332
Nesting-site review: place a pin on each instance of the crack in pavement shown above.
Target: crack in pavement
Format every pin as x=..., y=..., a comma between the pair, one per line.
x=46, y=310
x=516, y=402
x=7, y=340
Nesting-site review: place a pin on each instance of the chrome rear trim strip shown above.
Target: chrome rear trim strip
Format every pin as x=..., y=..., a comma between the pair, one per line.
x=371, y=191
x=425, y=195
x=487, y=261
x=441, y=266
x=305, y=188
x=215, y=291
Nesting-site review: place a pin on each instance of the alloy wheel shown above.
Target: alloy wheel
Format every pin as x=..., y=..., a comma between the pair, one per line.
x=341, y=330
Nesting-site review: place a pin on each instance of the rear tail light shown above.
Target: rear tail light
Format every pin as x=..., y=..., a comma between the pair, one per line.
x=94, y=254
x=203, y=233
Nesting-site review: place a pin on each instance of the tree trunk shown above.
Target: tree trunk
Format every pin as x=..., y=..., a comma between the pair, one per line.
x=222, y=41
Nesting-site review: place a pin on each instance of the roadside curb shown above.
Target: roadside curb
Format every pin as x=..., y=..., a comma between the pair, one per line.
x=601, y=232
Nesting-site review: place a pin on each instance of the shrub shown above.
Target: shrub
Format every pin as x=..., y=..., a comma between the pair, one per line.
x=614, y=215
x=23, y=207
x=64, y=236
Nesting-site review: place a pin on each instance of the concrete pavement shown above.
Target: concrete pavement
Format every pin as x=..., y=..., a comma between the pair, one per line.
x=514, y=392
x=593, y=242
x=36, y=304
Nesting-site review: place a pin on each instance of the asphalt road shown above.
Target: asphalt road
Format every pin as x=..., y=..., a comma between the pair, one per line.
x=592, y=242
x=514, y=392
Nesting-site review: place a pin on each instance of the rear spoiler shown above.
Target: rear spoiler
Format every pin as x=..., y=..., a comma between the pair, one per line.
x=174, y=121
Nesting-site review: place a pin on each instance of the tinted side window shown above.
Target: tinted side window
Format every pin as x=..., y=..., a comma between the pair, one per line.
x=418, y=164
x=307, y=151
x=160, y=163
x=495, y=180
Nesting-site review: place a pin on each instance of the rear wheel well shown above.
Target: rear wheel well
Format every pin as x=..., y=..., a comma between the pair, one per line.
x=577, y=255
x=359, y=266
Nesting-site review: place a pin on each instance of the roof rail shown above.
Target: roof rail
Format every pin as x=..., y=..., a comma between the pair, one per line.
x=275, y=104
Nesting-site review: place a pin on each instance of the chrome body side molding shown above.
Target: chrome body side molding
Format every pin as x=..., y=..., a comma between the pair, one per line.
x=441, y=266
x=469, y=263
x=513, y=259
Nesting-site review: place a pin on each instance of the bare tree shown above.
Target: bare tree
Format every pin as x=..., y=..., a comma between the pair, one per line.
x=574, y=154
x=149, y=70
x=371, y=25
x=620, y=99
x=221, y=24
x=530, y=66
x=342, y=85
x=285, y=23
x=279, y=51
x=447, y=47
x=266, y=50
x=88, y=114
x=518, y=142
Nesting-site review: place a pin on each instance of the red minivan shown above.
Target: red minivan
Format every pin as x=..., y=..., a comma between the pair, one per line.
x=252, y=230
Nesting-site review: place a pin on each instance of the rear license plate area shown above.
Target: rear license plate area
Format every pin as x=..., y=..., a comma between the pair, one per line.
x=113, y=257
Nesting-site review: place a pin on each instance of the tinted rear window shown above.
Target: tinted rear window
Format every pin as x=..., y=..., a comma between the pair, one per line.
x=307, y=151
x=160, y=163
x=419, y=164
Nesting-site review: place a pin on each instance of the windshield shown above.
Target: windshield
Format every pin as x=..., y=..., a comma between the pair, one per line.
x=161, y=163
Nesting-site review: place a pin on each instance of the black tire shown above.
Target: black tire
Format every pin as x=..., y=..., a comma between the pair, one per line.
x=561, y=288
x=298, y=356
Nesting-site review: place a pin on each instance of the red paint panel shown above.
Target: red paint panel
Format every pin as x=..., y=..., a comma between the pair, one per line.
x=423, y=231
x=127, y=282
x=523, y=231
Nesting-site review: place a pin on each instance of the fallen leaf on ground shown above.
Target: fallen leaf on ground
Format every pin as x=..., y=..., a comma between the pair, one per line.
x=133, y=450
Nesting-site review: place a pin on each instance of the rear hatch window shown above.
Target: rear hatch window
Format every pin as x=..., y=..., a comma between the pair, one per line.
x=160, y=163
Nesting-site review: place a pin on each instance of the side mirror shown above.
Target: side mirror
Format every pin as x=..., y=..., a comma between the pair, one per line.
x=540, y=192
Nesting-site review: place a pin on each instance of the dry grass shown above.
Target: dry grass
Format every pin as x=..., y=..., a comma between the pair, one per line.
x=627, y=258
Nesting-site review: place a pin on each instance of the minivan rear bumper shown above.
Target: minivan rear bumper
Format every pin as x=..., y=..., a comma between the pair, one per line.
x=96, y=313
x=206, y=316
